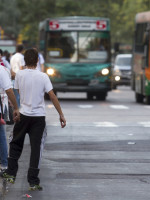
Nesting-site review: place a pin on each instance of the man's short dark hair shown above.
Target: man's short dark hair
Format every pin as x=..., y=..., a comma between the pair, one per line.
x=31, y=57
x=1, y=52
x=19, y=48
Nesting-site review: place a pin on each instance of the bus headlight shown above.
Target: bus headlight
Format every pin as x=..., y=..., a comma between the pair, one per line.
x=53, y=73
x=105, y=71
x=117, y=78
x=50, y=72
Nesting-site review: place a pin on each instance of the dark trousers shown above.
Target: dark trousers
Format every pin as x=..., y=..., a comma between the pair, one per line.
x=34, y=126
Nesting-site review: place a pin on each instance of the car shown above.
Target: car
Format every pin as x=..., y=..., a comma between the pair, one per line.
x=121, y=70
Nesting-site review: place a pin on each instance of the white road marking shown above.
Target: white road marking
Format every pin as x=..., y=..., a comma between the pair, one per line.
x=101, y=124
x=147, y=107
x=145, y=124
x=119, y=107
x=105, y=124
x=85, y=106
x=131, y=143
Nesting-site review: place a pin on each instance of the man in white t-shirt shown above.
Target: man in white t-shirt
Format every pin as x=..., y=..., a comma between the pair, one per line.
x=17, y=63
x=32, y=85
x=5, y=85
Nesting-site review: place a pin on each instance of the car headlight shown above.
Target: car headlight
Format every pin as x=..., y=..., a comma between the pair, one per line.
x=105, y=71
x=117, y=78
x=50, y=72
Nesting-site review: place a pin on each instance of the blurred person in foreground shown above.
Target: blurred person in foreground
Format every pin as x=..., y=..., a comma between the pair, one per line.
x=32, y=85
x=17, y=63
x=5, y=85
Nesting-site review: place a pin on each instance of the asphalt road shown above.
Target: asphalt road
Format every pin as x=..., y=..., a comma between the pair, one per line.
x=102, y=154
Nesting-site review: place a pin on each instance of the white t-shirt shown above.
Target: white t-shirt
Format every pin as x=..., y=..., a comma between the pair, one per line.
x=40, y=61
x=16, y=61
x=32, y=85
x=6, y=63
x=5, y=82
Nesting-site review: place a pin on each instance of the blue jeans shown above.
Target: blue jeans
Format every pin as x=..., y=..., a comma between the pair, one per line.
x=17, y=97
x=3, y=147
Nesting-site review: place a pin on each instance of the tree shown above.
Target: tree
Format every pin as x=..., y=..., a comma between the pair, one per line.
x=9, y=14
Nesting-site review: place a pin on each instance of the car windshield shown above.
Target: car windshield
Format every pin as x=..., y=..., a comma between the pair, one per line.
x=123, y=61
x=78, y=46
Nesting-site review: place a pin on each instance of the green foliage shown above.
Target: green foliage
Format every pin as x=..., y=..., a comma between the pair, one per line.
x=23, y=16
x=9, y=14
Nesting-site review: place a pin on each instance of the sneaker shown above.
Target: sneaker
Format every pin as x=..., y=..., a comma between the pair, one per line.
x=7, y=177
x=2, y=171
x=35, y=188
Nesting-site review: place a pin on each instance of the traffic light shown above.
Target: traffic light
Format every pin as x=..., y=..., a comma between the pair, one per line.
x=19, y=39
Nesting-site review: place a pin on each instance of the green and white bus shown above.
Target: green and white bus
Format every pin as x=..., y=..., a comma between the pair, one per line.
x=77, y=52
x=140, y=79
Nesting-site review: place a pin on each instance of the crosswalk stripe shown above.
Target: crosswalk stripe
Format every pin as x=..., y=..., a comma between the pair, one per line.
x=119, y=107
x=105, y=124
x=85, y=106
x=145, y=124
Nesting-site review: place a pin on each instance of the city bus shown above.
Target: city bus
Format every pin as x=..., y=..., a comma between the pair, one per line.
x=140, y=78
x=77, y=52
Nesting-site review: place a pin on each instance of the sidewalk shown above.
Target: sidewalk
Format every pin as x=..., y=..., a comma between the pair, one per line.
x=18, y=190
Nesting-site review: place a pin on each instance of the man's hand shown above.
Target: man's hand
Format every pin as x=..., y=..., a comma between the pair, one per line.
x=58, y=108
x=16, y=115
x=13, y=74
x=62, y=121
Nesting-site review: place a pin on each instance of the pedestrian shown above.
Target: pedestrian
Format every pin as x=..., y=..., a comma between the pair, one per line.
x=41, y=61
x=6, y=56
x=17, y=63
x=5, y=84
x=32, y=85
x=3, y=60
x=5, y=110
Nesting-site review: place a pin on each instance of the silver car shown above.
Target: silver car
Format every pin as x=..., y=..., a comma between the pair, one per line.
x=122, y=70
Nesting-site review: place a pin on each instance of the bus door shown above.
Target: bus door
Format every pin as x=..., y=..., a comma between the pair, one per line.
x=146, y=62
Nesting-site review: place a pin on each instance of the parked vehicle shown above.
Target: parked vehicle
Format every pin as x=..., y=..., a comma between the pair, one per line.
x=122, y=70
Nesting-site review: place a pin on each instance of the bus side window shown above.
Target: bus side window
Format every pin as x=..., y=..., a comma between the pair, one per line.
x=139, y=34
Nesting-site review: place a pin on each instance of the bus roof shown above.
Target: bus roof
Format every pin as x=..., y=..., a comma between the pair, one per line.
x=78, y=18
x=142, y=17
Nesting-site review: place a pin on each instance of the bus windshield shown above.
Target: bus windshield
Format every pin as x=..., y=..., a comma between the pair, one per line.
x=82, y=46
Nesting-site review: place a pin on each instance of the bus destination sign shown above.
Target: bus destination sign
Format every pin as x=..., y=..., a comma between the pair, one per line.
x=55, y=25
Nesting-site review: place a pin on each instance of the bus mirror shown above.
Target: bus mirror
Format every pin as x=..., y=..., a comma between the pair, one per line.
x=143, y=62
x=42, y=45
x=116, y=47
x=146, y=37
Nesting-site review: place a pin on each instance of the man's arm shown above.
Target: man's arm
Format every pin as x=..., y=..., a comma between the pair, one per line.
x=13, y=74
x=58, y=108
x=11, y=96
